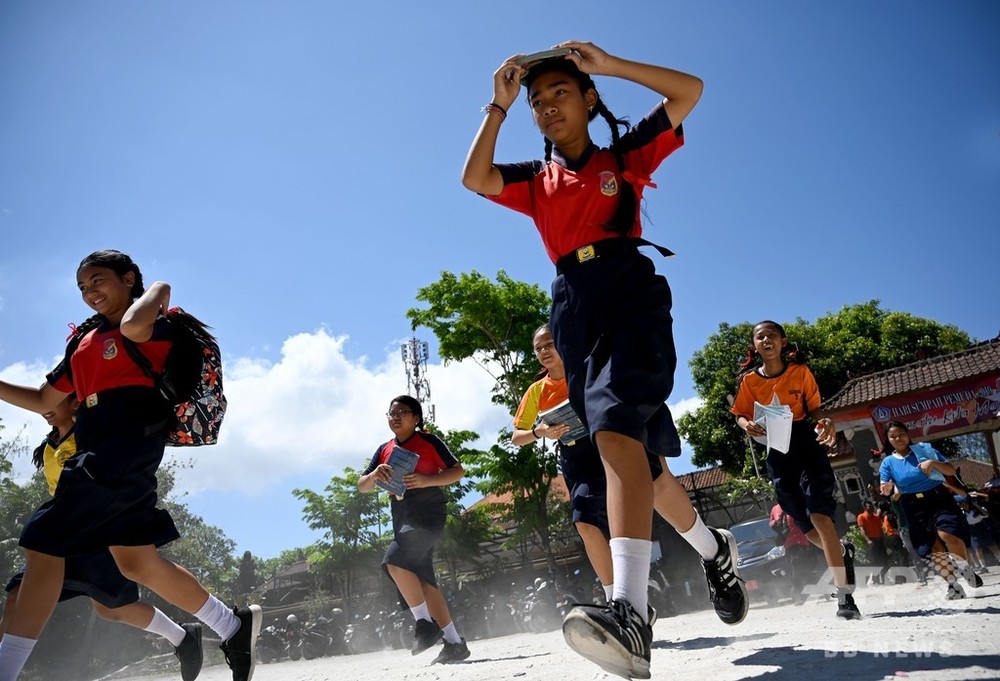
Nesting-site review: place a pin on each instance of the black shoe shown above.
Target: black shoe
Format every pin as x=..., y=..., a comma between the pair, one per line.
x=849, y=562
x=651, y=615
x=614, y=637
x=241, y=648
x=974, y=580
x=725, y=586
x=846, y=607
x=452, y=652
x=189, y=652
x=425, y=634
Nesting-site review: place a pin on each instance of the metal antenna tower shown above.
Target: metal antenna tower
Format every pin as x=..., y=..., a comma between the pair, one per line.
x=415, y=354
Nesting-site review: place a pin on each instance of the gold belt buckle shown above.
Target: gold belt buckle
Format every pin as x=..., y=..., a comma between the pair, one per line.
x=586, y=253
x=91, y=400
x=919, y=495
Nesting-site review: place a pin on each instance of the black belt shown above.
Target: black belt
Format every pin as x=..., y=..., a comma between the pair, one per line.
x=932, y=492
x=603, y=248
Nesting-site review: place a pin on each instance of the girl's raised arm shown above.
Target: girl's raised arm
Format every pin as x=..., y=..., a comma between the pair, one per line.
x=39, y=400
x=137, y=322
x=479, y=174
x=680, y=91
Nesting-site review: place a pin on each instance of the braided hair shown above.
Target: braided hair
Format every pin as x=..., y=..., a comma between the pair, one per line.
x=791, y=352
x=623, y=221
x=117, y=262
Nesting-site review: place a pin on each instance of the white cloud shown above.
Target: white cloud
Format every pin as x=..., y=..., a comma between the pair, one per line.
x=312, y=410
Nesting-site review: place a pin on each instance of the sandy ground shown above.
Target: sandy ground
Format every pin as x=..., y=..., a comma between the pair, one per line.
x=906, y=632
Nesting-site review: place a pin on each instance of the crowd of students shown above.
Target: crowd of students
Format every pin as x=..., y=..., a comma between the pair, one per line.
x=608, y=349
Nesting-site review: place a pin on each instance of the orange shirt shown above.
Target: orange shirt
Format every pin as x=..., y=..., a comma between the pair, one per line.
x=543, y=394
x=871, y=525
x=795, y=387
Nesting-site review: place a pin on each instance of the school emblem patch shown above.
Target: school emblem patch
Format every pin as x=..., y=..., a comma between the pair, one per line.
x=110, y=348
x=609, y=183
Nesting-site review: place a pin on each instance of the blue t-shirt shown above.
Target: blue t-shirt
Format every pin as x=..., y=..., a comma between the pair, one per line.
x=905, y=473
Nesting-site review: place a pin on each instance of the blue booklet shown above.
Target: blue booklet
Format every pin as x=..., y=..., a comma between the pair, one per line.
x=403, y=462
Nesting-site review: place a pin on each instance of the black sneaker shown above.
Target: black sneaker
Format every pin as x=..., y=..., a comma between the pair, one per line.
x=241, y=648
x=846, y=607
x=974, y=580
x=849, y=562
x=425, y=634
x=614, y=637
x=651, y=615
x=452, y=652
x=725, y=586
x=189, y=652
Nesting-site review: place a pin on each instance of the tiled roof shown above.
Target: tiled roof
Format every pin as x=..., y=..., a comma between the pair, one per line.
x=927, y=373
x=706, y=479
x=976, y=473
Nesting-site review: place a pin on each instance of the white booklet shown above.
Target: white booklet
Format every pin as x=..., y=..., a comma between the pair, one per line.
x=403, y=462
x=776, y=419
x=560, y=414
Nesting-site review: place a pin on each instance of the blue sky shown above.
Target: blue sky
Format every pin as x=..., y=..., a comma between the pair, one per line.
x=292, y=169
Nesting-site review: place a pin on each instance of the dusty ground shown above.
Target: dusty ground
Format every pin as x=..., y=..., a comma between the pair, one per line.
x=907, y=632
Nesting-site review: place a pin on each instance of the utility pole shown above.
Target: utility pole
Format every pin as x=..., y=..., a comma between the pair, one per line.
x=415, y=354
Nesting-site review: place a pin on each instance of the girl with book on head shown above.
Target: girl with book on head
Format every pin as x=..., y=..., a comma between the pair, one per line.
x=610, y=316
x=106, y=497
x=802, y=477
x=418, y=519
x=581, y=466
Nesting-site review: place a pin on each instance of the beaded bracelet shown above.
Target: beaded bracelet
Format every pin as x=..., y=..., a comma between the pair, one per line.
x=497, y=109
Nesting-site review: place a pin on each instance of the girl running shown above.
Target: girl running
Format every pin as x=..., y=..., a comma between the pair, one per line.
x=803, y=478
x=610, y=310
x=418, y=520
x=106, y=497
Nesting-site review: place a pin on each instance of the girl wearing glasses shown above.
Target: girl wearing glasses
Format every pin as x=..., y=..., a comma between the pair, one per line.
x=418, y=519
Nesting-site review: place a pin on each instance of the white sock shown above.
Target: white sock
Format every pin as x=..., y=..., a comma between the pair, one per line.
x=219, y=618
x=451, y=633
x=609, y=591
x=421, y=612
x=702, y=539
x=165, y=627
x=630, y=562
x=14, y=652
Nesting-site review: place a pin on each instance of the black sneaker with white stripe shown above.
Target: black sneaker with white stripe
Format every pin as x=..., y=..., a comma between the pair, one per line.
x=725, y=586
x=613, y=636
x=848, y=551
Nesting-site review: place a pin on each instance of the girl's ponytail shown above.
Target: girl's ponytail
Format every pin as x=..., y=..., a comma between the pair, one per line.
x=623, y=221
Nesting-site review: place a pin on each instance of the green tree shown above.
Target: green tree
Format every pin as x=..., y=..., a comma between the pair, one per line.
x=351, y=522
x=492, y=323
x=857, y=340
x=17, y=503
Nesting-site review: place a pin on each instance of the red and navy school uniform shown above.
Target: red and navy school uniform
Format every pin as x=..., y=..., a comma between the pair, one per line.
x=418, y=518
x=107, y=493
x=610, y=316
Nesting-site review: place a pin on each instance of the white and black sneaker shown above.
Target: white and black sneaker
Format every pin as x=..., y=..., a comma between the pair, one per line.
x=725, y=586
x=613, y=636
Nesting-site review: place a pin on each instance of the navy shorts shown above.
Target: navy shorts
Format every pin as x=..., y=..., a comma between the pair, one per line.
x=418, y=522
x=612, y=327
x=106, y=494
x=803, y=478
x=95, y=576
x=587, y=484
x=929, y=512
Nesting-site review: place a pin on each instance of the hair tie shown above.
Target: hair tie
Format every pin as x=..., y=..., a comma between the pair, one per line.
x=72, y=331
x=748, y=360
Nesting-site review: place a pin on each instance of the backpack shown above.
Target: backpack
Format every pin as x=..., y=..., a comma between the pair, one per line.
x=191, y=380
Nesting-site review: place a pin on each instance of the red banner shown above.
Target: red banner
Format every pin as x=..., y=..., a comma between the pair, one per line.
x=934, y=411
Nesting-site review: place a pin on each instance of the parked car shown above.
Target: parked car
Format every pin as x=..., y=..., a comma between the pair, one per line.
x=765, y=567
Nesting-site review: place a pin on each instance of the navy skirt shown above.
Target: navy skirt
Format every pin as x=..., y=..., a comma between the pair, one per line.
x=95, y=576
x=106, y=494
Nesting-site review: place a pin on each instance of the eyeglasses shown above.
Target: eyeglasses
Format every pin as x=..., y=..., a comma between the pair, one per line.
x=398, y=414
